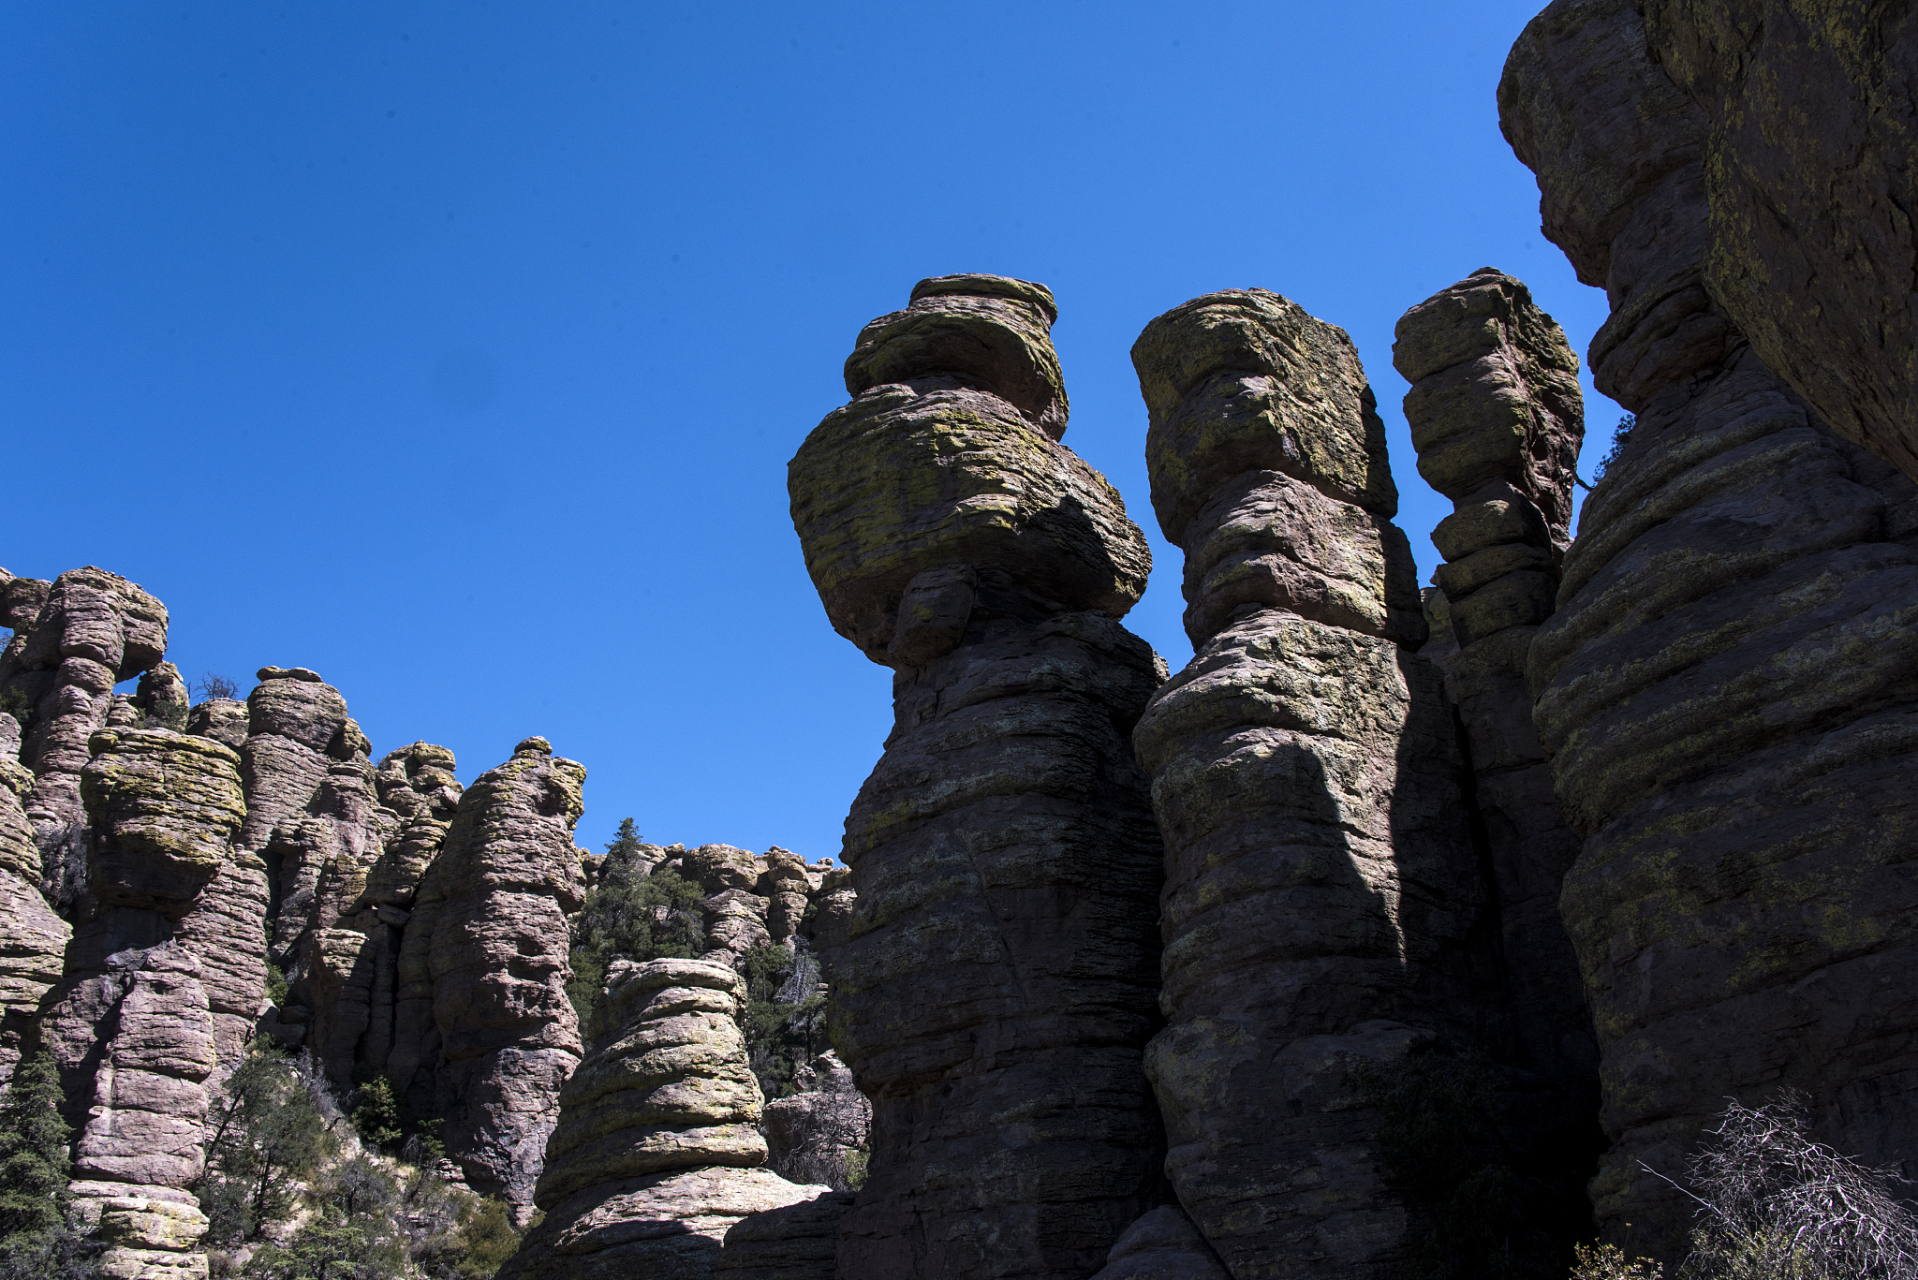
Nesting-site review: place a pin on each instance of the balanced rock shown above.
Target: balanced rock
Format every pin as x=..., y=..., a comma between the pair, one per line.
x=1725, y=688
x=1321, y=886
x=993, y=977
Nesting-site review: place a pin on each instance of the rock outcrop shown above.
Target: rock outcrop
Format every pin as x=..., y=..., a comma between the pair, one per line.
x=993, y=980
x=811, y=1132
x=74, y=639
x=484, y=1033
x=1162, y=1245
x=1322, y=897
x=1727, y=687
x=1811, y=141
x=656, y=1153
x=1497, y=418
x=33, y=939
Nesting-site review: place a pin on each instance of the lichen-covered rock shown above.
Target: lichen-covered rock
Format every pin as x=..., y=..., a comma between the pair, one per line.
x=993, y=977
x=667, y=1087
x=164, y=807
x=483, y=1029
x=1322, y=892
x=1162, y=1245
x=75, y=638
x=1812, y=148
x=1726, y=687
x=1495, y=382
x=655, y=1153
x=221, y=719
x=33, y=939
x=943, y=467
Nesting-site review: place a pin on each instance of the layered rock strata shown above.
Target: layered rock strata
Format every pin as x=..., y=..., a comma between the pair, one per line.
x=1727, y=688
x=1322, y=893
x=483, y=1029
x=1811, y=143
x=74, y=639
x=1497, y=417
x=33, y=938
x=130, y=1022
x=656, y=1153
x=993, y=979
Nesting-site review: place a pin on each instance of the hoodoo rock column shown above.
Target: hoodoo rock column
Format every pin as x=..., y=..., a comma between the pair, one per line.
x=993, y=983
x=1321, y=885
x=1729, y=687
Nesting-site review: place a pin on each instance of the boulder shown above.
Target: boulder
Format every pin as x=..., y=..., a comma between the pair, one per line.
x=1162, y=1245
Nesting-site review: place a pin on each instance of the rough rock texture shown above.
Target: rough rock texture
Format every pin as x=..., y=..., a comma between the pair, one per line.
x=795, y=1242
x=1497, y=417
x=810, y=1133
x=75, y=638
x=33, y=939
x=221, y=719
x=1163, y=1245
x=654, y=1155
x=1321, y=886
x=993, y=980
x=1811, y=147
x=484, y=1031
x=1727, y=689
x=787, y=888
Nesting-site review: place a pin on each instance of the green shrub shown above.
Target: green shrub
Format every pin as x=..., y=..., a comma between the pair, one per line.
x=1608, y=1262
x=783, y=1019
x=18, y=705
x=277, y=987
x=631, y=915
x=858, y=1167
x=376, y=1114
x=353, y=1233
x=1621, y=435
x=264, y=1138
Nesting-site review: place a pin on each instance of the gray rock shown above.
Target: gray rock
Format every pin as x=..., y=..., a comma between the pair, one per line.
x=1162, y=1245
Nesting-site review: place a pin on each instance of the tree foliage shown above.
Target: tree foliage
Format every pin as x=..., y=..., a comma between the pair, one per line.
x=264, y=1137
x=35, y=1241
x=635, y=912
x=784, y=1018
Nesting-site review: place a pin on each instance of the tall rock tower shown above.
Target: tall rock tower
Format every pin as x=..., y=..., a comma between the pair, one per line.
x=993, y=985
x=1728, y=689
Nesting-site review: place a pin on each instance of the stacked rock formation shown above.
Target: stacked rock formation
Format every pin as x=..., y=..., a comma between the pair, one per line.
x=1497, y=418
x=1811, y=140
x=130, y=1023
x=1727, y=688
x=33, y=938
x=993, y=981
x=655, y=1156
x=811, y=1132
x=484, y=1034
x=1321, y=885
x=74, y=639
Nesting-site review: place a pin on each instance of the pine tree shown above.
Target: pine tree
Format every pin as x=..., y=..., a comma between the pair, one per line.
x=33, y=1156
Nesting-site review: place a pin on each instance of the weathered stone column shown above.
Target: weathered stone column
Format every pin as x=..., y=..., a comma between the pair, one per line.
x=993, y=982
x=1321, y=886
x=484, y=1031
x=1729, y=686
x=656, y=1155
x=1497, y=418
x=33, y=938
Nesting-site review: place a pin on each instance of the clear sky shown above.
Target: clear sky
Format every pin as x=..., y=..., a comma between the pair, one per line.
x=456, y=351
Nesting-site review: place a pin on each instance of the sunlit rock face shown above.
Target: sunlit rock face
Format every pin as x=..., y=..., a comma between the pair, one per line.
x=1727, y=688
x=993, y=979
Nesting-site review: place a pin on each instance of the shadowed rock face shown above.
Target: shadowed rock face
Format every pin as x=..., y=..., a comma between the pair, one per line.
x=1321, y=887
x=993, y=979
x=1497, y=417
x=1812, y=146
x=654, y=1156
x=1727, y=689
x=33, y=939
x=484, y=1027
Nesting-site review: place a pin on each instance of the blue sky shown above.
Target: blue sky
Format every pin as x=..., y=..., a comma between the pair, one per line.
x=457, y=350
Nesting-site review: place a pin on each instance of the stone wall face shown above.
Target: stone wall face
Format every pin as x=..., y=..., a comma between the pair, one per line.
x=1812, y=148
x=1321, y=884
x=993, y=978
x=1727, y=688
x=1497, y=417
